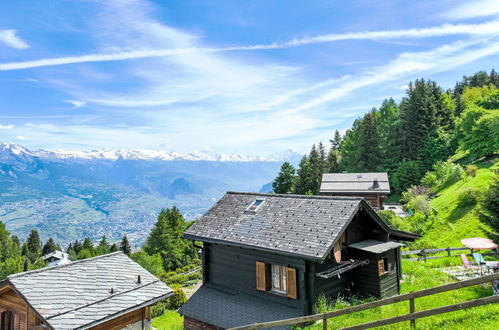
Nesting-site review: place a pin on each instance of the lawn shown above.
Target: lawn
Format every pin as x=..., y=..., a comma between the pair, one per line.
x=171, y=320
x=418, y=276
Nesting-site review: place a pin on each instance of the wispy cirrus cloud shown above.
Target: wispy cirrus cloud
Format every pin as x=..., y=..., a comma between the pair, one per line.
x=76, y=104
x=9, y=127
x=481, y=29
x=473, y=9
x=10, y=38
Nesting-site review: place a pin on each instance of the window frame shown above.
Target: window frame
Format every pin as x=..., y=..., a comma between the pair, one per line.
x=282, y=287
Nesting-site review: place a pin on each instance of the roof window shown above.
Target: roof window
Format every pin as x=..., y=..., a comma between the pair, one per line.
x=255, y=205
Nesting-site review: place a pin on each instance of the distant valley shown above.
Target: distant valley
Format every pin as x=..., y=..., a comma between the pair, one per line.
x=69, y=195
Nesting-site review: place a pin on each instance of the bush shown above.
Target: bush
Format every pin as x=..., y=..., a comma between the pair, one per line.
x=471, y=170
x=444, y=174
x=177, y=300
x=430, y=180
x=419, y=204
x=468, y=197
x=407, y=174
x=158, y=309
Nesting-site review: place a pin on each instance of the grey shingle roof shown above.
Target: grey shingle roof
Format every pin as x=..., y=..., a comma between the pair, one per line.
x=374, y=246
x=355, y=183
x=289, y=224
x=78, y=295
x=227, y=310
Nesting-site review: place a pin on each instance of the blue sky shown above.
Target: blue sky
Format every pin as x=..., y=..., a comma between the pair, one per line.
x=249, y=77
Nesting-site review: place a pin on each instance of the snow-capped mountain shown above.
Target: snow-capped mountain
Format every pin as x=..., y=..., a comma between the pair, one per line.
x=143, y=154
x=72, y=194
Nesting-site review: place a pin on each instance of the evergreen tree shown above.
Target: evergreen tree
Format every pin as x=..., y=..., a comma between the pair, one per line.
x=421, y=113
x=113, y=248
x=166, y=240
x=322, y=158
x=77, y=246
x=284, y=181
x=49, y=246
x=103, y=247
x=390, y=142
x=316, y=167
x=368, y=143
x=88, y=245
x=305, y=177
x=125, y=246
x=70, y=247
x=336, y=141
x=350, y=156
x=333, y=160
x=33, y=246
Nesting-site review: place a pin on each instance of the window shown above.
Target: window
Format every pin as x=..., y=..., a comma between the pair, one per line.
x=383, y=266
x=279, y=279
x=276, y=278
x=255, y=205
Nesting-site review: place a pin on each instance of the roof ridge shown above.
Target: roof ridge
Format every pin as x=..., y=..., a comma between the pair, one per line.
x=294, y=196
x=65, y=265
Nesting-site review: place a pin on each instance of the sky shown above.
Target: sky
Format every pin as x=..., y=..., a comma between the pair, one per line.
x=246, y=77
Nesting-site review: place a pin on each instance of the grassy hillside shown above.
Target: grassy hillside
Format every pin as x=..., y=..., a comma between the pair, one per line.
x=455, y=220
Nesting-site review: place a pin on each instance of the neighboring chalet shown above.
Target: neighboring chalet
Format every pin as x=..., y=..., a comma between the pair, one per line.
x=269, y=256
x=106, y=292
x=56, y=258
x=373, y=187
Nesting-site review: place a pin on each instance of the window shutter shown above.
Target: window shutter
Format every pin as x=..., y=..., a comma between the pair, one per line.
x=381, y=267
x=291, y=283
x=261, y=276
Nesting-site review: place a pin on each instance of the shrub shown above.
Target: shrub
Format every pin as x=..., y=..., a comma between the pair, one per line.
x=158, y=309
x=177, y=300
x=430, y=180
x=444, y=174
x=419, y=204
x=471, y=170
x=468, y=197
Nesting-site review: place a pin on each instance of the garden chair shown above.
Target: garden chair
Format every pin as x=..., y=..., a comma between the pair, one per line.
x=467, y=266
x=480, y=261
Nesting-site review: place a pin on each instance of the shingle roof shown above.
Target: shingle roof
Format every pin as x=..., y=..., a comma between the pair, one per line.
x=354, y=183
x=227, y=310
x=374, y=246
x=77, y=296
x=290, y=224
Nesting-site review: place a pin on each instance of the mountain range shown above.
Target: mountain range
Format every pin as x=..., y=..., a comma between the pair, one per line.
x=68, y=194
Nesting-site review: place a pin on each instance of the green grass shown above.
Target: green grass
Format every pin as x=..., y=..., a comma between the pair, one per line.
x=171, y=320
x=418, y=276
x=459, y=221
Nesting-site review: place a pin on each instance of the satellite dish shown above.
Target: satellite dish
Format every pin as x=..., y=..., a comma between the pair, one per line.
x=337, y=252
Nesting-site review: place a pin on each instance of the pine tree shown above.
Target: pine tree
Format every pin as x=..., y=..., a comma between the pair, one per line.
x=33, y=246
x=333, y=160
x=322, y=158
x=49, y=246
x=77, y=246
x=113, y=248
x=336, y=141
x=368, y=143
x=166, y=239
x=284, y=181
x=305, y=177
x=88, y=245
x=316, y=167
x=390, y=141
x=125, y=246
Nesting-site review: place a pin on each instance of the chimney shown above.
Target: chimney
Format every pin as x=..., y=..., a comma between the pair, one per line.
x=139, y=279
x=111, y=291
x=375, y=184
x=25, y=267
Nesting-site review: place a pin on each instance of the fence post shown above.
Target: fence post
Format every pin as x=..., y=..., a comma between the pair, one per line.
x=424, y=254
x=448, y=251
x=324, y=323
x=412, y=309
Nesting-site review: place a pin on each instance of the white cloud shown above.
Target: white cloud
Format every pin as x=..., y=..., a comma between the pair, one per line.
x=77, y=104
x=482, y=29
x=10, y=38
x=9, y=127
x=473, y=9
x=21, y=138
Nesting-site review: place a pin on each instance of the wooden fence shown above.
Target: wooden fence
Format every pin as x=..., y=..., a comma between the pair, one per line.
x=411, y=316
x=423, y=254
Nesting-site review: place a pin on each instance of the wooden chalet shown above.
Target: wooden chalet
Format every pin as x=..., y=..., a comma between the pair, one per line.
x=373, y=187
x=106, y=292
x=270, y=256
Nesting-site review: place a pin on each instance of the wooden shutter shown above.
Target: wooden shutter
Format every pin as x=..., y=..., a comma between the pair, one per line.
x=381, y=267
x=291, y=283
x=262, y=281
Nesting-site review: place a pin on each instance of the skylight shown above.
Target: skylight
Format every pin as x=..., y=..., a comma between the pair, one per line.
x=254, y=206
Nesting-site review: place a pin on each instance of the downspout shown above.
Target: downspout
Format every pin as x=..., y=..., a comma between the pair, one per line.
x=203, y=260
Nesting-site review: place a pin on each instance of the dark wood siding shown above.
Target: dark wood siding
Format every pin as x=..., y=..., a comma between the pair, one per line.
x=235, y=268
x=375, y=200
x=389, y=285
x=366, y=277
x=330, y=287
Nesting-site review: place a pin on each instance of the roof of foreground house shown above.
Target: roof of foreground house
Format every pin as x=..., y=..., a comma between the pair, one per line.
x=88, y=292
x=355, y=183
x=230, y=309
x=289, y=224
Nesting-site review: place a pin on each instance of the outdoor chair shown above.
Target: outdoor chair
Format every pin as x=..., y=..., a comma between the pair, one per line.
x=468, y=268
